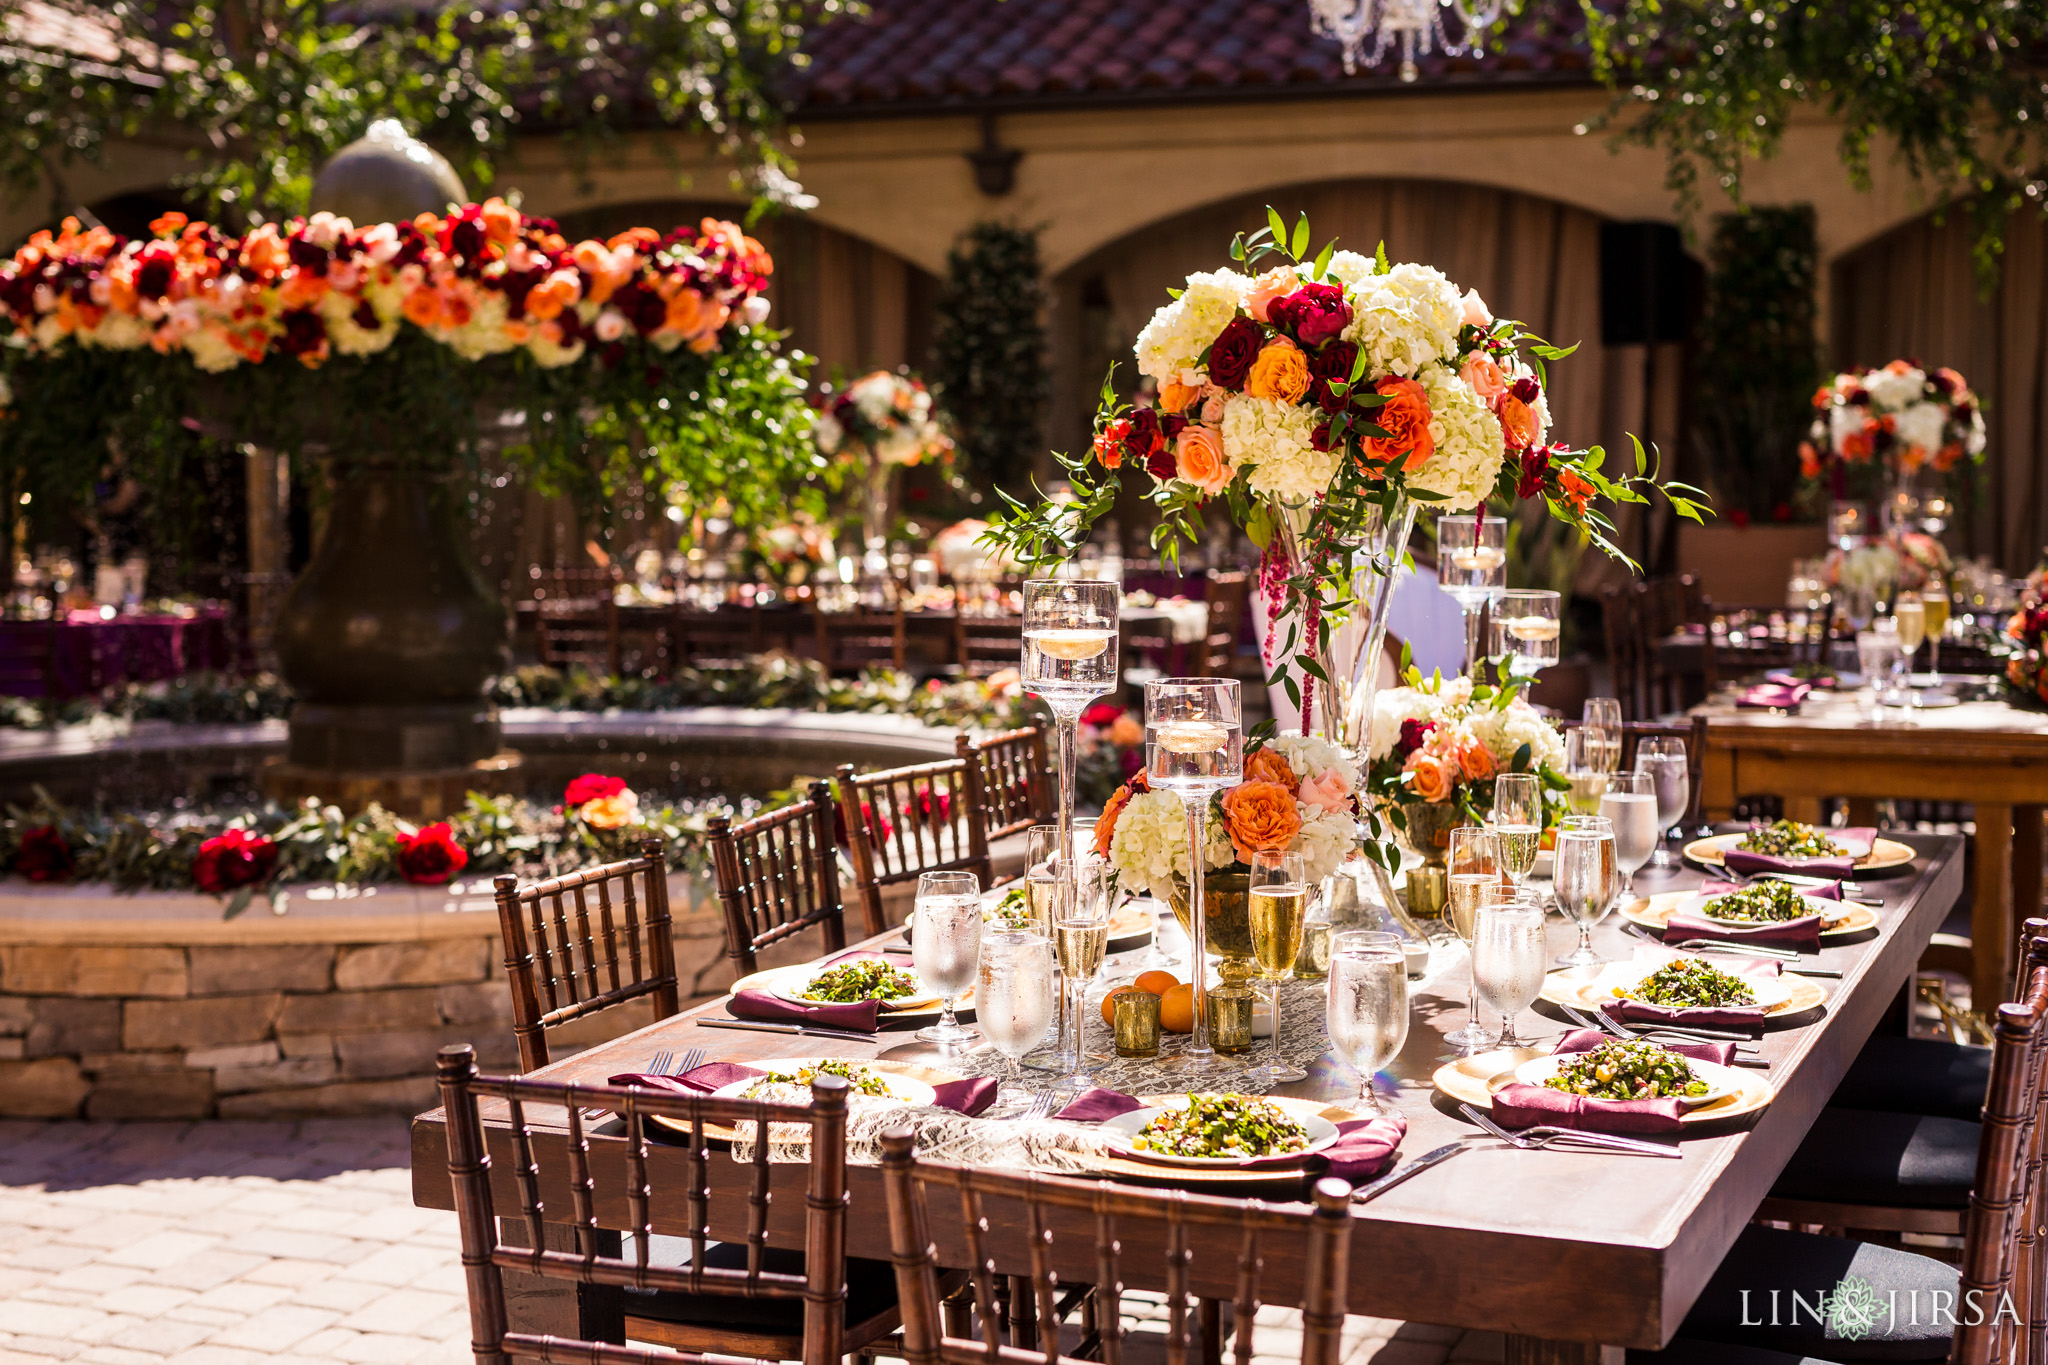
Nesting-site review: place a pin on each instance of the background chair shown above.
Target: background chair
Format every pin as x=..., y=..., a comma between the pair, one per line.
x=853, y=641
x=778, y=876
x=1230, y=595
x=904, y=822
x=723, y=636
x=584, y=942
x=986, y=644
x=1014, y=780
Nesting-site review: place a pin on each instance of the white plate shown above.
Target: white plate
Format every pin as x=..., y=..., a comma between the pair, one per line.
x=1770, y=991
x=791, y=988
x=903, y=1089
x=1831, y=912
x=1720, y=1083
x=1321, y=1133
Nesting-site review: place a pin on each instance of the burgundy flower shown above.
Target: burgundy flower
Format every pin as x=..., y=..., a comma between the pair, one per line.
x=1315, y=313
x=366, y=317
x=1145, y=438
x=43, y=856
x=1331, y=365
x=1526, y=388
x=590, y=787
x=1102, y=713
x=1320, y=437
x=1414, y=734
x=1232, y=353
x=1161, y=465
x=153, y=277
x=231, y=859
x=304, y=332
x=1535, y=468
x=429, y=857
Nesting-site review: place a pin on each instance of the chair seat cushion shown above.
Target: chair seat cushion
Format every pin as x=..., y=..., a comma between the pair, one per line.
x=870, y=1289
x=1917, y=1076
x=1684, y=1352
x=1781, y=1291
x=1863, y=1156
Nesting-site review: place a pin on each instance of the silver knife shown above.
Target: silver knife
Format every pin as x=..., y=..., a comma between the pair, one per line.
x=806, y=1030
x=1401, y=1173
x=1610, y=1142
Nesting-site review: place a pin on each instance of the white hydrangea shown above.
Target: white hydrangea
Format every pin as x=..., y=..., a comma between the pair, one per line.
x=1506, y=730
x=874, y=396
x=1974, y=442
x=1920, y=425
x=1309, y=756
x=1351, y=268
x=1393, y=705
x=1326, y=841
x=338, y=311
x=1844, y=421
x=1150, y=847
x=1171, y=346
x=1405, y=319
x=1469, y=443
x=1890, y=392
x=1275, y=440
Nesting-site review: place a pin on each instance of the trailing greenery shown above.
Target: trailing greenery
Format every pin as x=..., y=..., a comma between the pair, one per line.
x=988, y=350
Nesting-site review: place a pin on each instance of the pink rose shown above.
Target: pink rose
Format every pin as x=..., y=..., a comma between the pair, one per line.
x=1213, y=402
x=1276, y=283
x=1326, y=791
x=1476, y=314
x=1199, y=454
x=1484, y=376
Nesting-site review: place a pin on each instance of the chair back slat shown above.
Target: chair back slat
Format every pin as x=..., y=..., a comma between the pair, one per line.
x=1229, y=598
x=563, y=968
x=778, y=876
x=1108, y=1214
x=1013, y=777
x=904, y=822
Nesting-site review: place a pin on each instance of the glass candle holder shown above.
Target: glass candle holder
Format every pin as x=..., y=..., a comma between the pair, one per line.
x=1135, y=1015
x=1312, y=963
x=1230, y=1019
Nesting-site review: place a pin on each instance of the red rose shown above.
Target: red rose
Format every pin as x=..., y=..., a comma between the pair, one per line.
x=1232, y=353
x=590, y=787
x=1414, y=734
x=429, y=857
x=231, y=859
x=1102, y=713
x=1314, y=313
x=43, y=856
x=1162, y=466
x=1331, y=365
x=1145, y=439
x=1535, y=467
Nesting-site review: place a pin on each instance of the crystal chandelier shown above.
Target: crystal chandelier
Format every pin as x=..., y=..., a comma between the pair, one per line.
x=1418, y=24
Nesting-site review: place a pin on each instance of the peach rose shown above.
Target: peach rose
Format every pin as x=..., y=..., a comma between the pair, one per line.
x=1405, y=419
x=1198, y=453
x=1430, y=777
x=1127, y=731
x=1327, y=791
x=1260, y=815
x=1214, y=400
x=1476, y=312
x=611, y=812
x=1475, y=760
x=1276, y=283
x=1281, y=372
x=1175, y=396
x=1484, y=376
x=1270, y=765
x=1519, y=422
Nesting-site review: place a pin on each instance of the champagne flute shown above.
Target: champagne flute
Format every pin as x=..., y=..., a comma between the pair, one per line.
x=1663, y=757
x=1911, y=615
x=1041, y=875
x=1278, y=908
x=1517, y=820
x=1013, y=998
x=1070, y=658
x=1080, y=937
x=1630, y=806
x=1508, y=960
x=945, y=946
x=1602, y=716
x=1585, y=778
x=1471, y=565
x=1367, y=1016
x=1934, y=606
x=1526, y=626
x=1584, y=880
x=1473, y=861
x=1194, y=746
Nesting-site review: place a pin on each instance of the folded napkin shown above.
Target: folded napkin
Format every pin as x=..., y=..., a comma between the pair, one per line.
x=1823, y=682
x=968, y=1096
x=1365, y=1147
x=1857, y=843
x=1771, y=696
x=1801, y=935
x=1742, y=1018
x=861, y=1016
x=1524, y=1106
x=1097, y=1103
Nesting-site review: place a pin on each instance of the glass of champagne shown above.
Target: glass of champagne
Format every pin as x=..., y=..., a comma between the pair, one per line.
x=1041, y=875
x=1934, y=606
x=1602, y=717
x=1194, y=746
x=1471, y=564
x=1080, y=937
x=1911, y=614
x=1526, y=625
x=1584, y=880
x=1278, y=907
x=1517, y=821
x=945, y=946
x=1013, y=996
x=1585, y=778
x=1473, y=862
x=1508, y=960
x=1630, y=806
x=1367, y=1016
x=1663, y=758
x=1070, y=658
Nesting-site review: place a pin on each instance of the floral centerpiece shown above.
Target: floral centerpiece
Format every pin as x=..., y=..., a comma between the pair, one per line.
x=1899, y=419
x=886, y=419
x=1435, y=747
x=2026, y=655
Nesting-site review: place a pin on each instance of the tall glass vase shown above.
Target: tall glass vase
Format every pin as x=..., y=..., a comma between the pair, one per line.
x=878, y=510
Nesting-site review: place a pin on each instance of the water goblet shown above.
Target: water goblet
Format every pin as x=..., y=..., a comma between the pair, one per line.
x=945, y=946
x=1663, y=757
x=1526, y=625
x=1367, y=1014
x=1473, y=863
x=1630, y=806
x=1278, y=909
x=1584, y=880
x=1508, y=961
x=1517, y=821
x=1471, y=563
x=1013, y=998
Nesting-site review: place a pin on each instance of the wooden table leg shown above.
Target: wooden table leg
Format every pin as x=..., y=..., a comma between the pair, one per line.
x=1537, y=1351
x=1991, y=923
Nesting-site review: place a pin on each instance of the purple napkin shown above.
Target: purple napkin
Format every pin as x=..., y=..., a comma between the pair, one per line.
x=1784, y=679
x=1772, y=696
x=1097, y=1103
x=1364, y=1147
x=861, y=1016
x=1524, y=1106
x=969, y=1096
x=1745, y=1018
x=1857, y=842
x=1801, y=935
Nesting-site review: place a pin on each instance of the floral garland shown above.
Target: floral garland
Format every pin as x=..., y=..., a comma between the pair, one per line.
x=1900, y=418
x=1436, y=742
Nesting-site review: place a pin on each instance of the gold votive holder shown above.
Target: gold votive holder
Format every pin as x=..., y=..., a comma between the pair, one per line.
x=1230, y=1019
x=1428, y=889
x=1135, y=1015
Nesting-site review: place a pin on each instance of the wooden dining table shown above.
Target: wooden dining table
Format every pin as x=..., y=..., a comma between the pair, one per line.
x=1575, y=1256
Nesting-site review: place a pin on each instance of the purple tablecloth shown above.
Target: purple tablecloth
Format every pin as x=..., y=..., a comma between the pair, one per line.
x=83, y=653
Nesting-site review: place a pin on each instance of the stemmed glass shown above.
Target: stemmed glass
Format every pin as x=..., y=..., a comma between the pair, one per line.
x=1526, y=625
x=1508, y=960
x=1080, y=936
x=1517, y=821
x=1070, y=657
x=1630, y=806
x=1013, y=997
x=1367, y=1017
x=1934, y=607
x=1585, y=778
x=1473, y=860
x=1194, y=745
x=1663, y=758
x=1602, y=718
x=1584, y=879
x=945, y=945
x=1471, y=565
x=1278, y=908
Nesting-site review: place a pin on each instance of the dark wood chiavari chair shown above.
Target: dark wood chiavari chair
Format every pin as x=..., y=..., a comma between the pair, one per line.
x=723, y=636
x=1229, y=598
x=778, y=876
x=742, y=1299
x=902, y=822
x=1014, y=779
x=1626, y=650
x=584, y=942
x=578, y=634
x=986, y=643
x=1115, y=1222
x=1743, y=640
x=850, y=641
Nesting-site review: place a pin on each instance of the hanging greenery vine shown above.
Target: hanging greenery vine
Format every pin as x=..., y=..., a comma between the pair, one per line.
x=988, y=350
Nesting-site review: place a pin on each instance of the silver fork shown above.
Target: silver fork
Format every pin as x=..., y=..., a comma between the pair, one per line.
x=1599, y=1020
x=1040, y=1106
x=692, y=1059
x=1544, y=1137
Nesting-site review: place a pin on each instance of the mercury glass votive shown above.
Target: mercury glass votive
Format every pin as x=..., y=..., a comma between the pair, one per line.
x=1135, y=1015
x=1230, y=1019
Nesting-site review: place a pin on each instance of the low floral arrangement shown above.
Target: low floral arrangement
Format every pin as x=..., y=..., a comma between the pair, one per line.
x=791, y=550
x=1899, y=419
x=1903, y=559
x=1437, y=742
x=887, y=416
x=2026, y=641
x=1298, y=794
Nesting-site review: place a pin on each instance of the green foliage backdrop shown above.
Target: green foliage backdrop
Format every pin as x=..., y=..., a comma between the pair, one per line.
x=988, y=351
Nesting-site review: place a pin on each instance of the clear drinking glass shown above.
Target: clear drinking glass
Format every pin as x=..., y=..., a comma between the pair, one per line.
x=1517, y=820
x=1278, y=908
x=1367, y=1016
x=1080, y=937
x=945, y=945
x=1875, y=651
x=1602, y=718
x=1526, y=624
x=1070, y=658
x=1663, y=758
x=1509, y=960
x=1194, y=746
x=1471, y=565
x=1013, y=998
x=1630, y=806
x=1473, y=864
x=1586, y=779
x=1584, y=880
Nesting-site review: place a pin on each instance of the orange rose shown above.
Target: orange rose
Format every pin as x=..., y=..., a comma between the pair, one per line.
x=1475, y=760
x=1127, y=731
x=1430, y=777
x=685, y=312
x=1485, y=377
x=1270, y=765
x=1281, y=371
x=501, y=221
x=1198, y=456
x=1260, y=815
x=1405, y=419
x=1175, y=396
x=1518, y=422
x=611, y=812
x=1577, y=492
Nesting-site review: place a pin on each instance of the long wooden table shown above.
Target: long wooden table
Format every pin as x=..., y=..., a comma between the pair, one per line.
x=1990, y=754
x=1574, y=1256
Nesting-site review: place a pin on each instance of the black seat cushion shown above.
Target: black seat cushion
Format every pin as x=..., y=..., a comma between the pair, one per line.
x=1806, y=1273
x=1683, y=1352
x=1862, y=1156
x=1917, y=1076
x=870, y=1289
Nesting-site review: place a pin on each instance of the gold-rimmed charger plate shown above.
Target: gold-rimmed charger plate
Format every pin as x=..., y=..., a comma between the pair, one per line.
x=1580, y=988
x=769, y=978
x=1281, y=1177
x=1470, y=1081
x=928, y=1075
x=1885, y=854
x=1657, y=910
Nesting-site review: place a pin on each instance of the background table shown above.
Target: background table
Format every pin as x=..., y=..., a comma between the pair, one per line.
x=85, y=652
